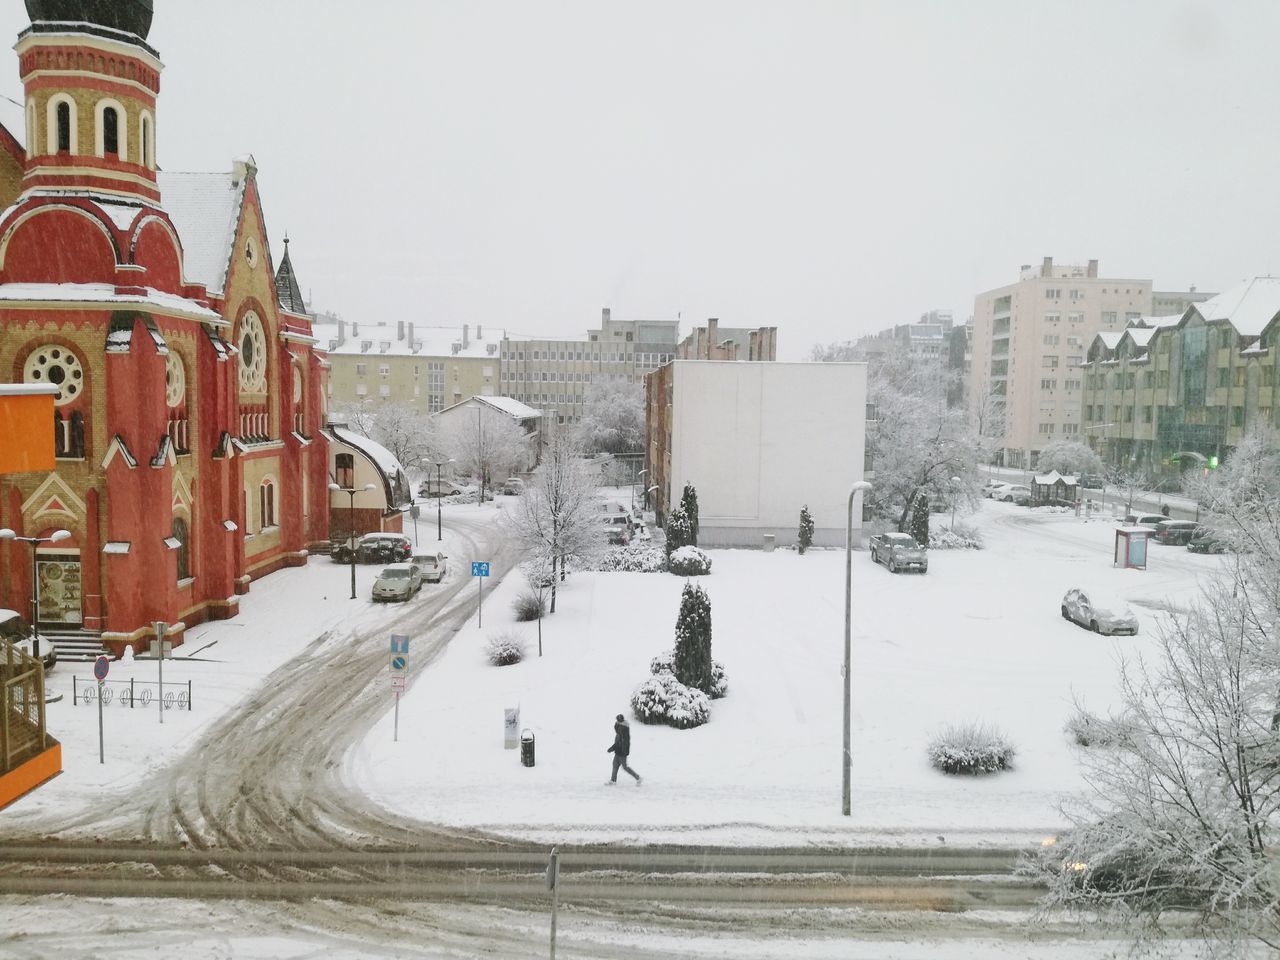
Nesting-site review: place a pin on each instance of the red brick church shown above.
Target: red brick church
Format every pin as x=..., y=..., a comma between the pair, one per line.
x=188, y=423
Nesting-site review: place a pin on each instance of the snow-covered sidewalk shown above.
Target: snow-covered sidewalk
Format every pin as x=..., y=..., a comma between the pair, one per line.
x=978, y=638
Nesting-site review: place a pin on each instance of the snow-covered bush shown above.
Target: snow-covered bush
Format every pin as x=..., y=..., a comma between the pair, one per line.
x=804, y=539
x=1090, y=730
x=635, y=558
x=664, y=699
x=679, y=530
x=529, y=606
x=665, y=663
x=538, y=574
x=689, y=562
x=959, y=537
x=970, y=748
x=504, y=649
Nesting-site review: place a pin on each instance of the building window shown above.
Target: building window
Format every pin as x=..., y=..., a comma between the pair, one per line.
x=1052, y=317
x=1108, y=316
x=1237, y=416
x=64, y=127
x=1146, y=414
x=1149, y=379
x=1052, y=294
x=361, y=369
x=1049, y=362
x=146, y=150
x=384, y=390
x=1050, y=339
x=1241, y=373
x=110, y=132
x=1128, y=414
x=266, y=505
x=1224, y=376
x=1048, y=384
x=1075, y=318
x=180, y=532
x=344, y=470
x=361, y=390
x=384, y=370
x=1077, y=294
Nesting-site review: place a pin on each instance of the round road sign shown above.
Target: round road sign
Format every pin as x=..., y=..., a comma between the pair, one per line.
x=100, y=668
x=397, y=663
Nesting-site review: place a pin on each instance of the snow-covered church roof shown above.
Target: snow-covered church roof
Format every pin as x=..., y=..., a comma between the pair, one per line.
x=205, y=208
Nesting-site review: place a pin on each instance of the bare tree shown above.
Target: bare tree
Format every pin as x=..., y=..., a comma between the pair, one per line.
x=1183, y=804
x=488, y=445
x=612, y=417
x=557, y=518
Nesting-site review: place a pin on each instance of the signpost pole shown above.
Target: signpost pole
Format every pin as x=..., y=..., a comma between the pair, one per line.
x=395, y=736
x=480, y=603
x=159, y=626
x=101, y=747
x=553, y=881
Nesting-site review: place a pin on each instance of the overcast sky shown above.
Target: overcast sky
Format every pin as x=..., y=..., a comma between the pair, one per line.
x=828, y=168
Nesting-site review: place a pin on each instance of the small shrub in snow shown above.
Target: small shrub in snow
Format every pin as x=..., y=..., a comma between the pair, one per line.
x=634, y=559
x=960, y=537
x=679, y=531
x=689, y=562
x=504, y=649
x=970, y=748
x=1090, y=730
x=804, y=539
x=664, y=699
x=529, y=606
x=665, y=663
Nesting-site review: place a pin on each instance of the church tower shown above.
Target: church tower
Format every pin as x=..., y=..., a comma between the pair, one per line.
x=91, y=83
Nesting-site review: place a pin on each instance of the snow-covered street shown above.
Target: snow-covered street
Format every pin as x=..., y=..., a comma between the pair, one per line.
x=977, y=638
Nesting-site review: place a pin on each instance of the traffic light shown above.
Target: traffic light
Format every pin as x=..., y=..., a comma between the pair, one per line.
x=1213, y=462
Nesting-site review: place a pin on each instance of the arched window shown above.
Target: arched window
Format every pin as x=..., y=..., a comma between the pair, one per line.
x=181, y=533
x=146, y=148
x=344, y=470
x=64, y=127
x=110, y=132
x=266, y=505
x=31, y=128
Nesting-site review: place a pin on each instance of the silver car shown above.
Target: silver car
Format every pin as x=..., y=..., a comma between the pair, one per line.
x=1092, y=611
x=899, y=551
x=400, y=581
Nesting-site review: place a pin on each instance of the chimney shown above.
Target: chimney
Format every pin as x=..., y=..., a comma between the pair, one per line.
x=466, y=334
x=355, y=329
x=604, y=316
x=455, y=348
x=753, y=345
x=342, y=330
x=479, y=333
x=1046, y=268
x=1193, y=288
x=399, y=330
x=1093, y=268
x=712, y=324
x=411, y=340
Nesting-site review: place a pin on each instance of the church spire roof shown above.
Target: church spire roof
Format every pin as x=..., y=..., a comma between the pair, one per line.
x=287, y=290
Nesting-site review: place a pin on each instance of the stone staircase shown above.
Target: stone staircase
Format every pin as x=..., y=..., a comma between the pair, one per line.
x=75, y=645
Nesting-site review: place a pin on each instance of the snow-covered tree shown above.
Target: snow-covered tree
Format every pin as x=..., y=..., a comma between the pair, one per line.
x=689, y=501
x=920, y=521
x=1068, y=457
x=557, y=518
x=1128, y=483
x=1183, y=806
x=804, y=539
x=692, y=657
x=408, y=435
x=489, y=445
x=612, y=417
x=678, y=532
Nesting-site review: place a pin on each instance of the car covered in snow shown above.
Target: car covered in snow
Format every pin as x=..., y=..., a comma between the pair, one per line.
x=373, y=548
x=440, y=488
x=399, y=581
x=17, y=631
x=1204, y=541
x=1011, y=493
x=899, y=551
x=1098, y=611
x=617, y=529
x=512, y=487
x=1152, y=520
x=432, y=565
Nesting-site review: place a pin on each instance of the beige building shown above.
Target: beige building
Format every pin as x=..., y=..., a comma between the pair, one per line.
x=419, y=367
x=714, y=342
x=552, y=375
x=1029, y=340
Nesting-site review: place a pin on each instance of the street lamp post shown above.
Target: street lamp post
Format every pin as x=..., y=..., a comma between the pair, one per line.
x=439, y=488
x=646, y=495
x=633, y=488
x=860, y=486
x=55, y=537
x=351, y=525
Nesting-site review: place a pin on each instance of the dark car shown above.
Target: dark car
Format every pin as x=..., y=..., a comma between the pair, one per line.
x=373, y=548
x=1177, y=533
x=1202, y=541
x=1092, y=481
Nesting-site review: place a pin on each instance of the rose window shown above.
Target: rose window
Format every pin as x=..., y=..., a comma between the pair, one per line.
x=59, y=366
x=175, y=380
x=253, y=355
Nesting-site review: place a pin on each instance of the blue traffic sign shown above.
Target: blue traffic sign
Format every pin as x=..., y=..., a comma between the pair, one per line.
x=397, y=663
x=479, y=568
x=100, y=668
x=399, y=643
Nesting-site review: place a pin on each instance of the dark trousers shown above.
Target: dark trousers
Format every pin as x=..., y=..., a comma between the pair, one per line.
x=620, y=760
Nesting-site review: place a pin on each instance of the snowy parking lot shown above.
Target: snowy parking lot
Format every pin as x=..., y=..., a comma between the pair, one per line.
x=977, y=638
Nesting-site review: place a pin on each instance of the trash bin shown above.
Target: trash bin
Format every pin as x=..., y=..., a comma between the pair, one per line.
x=769, y=541
x=526, y=747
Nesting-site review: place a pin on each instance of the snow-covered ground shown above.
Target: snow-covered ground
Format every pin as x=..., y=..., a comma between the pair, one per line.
x=224, y=661
x=978, y=638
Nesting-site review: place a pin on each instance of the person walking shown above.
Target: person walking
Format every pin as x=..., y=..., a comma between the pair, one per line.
x=621, y=749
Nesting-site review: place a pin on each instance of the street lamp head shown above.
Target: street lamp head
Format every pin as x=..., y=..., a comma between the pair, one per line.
x=651, y=489
x=369, y=486
x=861, y=486
x=59, y=535
x=7, y=534
x=334, y=486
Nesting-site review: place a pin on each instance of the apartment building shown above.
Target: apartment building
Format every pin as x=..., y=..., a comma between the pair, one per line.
x=1172, y=392
x=552, y=374
x=1029, y=340
x=417, y=366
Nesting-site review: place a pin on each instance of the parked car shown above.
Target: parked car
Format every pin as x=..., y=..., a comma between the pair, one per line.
x=1152, y=520
x=1176, y=533
x=1202, y=541
x=617, y=529
x=1092, y=481
x=1013, y=493
x=17, y=631
x=992, y=489
x=400, y=581
x=899, y=551
x=512, y=486
x=373, y=548
x=432, y=565
x=1098, y=612
x=439, y=488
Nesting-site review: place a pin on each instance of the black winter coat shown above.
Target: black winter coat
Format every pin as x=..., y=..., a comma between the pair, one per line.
x=621, y=739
